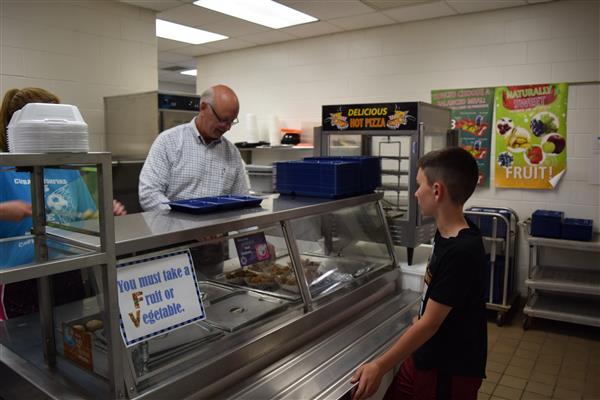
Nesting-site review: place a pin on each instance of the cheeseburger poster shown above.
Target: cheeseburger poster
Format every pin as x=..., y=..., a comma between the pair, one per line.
x=531, y=134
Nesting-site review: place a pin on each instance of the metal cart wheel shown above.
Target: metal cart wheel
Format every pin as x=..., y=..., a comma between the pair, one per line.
x=500, y=318
x=526, y=323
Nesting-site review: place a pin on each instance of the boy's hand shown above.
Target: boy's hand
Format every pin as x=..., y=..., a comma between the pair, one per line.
x=368, y=377
x=14, y=210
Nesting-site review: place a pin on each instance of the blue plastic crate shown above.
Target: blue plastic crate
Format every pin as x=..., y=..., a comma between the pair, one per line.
x=370, y=169
x=318, y=178
x=577, y=229
x=547, y=223
x=486, y=222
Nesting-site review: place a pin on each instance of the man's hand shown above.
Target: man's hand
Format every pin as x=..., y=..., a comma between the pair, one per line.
x=118, y=208
x=14, y=210
x=368, y=377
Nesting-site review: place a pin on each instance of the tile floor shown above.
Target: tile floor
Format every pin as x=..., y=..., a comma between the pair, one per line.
x=551, y=360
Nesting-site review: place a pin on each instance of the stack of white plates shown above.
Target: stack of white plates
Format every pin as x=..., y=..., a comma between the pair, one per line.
x=47, y=128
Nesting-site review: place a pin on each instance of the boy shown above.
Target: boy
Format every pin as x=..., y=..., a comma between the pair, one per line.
x=443, y=353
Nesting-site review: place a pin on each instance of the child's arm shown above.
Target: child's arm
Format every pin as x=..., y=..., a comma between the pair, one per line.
x=14, y=210
x=369, y=375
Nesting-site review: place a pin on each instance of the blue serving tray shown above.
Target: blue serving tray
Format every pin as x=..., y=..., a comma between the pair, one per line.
x=203, y=205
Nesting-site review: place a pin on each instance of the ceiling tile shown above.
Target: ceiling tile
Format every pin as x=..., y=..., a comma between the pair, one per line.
x=362, y=21
x=234, y=27
x=156, y=5
x=469, y=6
x=328, y=9
x=420, y=12
x=271, y=36
x=191, y=15
x=168, y=44
x=312, y=29
x=381, y=5
x=172, y=58
x=168, y=76
x=195, y=50
x=230, y=44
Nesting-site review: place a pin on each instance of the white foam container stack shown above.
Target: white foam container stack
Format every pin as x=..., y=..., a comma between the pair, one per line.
x=48, y=128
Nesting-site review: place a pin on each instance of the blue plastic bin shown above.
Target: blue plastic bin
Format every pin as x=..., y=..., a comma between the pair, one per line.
x=547, y=223
x=318, y=178
x=370, y=169
x=577, y=229
x=486, y=222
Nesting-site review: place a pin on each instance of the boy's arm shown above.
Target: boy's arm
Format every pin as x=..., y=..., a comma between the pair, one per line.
x=369, y=375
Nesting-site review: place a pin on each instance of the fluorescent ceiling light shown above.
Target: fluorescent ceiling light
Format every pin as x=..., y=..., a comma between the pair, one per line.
x=191, y=72
x=182, y=33
x=264, y=12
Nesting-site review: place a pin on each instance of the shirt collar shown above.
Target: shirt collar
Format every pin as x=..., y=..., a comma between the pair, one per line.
x=199, y=136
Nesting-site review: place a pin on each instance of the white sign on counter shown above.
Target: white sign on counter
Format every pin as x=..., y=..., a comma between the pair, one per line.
x=157, y=294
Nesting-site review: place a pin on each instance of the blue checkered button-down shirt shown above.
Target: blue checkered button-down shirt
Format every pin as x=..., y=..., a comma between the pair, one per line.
x=180, y=165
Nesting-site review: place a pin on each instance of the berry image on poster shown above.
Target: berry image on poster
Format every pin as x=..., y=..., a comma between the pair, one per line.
x=531, y=135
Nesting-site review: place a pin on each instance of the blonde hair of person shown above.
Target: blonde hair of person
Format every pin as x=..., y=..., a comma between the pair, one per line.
x=14, y=100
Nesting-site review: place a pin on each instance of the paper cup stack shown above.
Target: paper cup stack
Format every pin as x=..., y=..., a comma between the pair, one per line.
x=47, y=128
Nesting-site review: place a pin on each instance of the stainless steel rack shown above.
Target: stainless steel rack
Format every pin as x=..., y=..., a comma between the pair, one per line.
x=399, y=151
x=102, y=257
x=563, y=293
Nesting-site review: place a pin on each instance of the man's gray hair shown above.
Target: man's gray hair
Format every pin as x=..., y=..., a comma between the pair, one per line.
x=208, y=96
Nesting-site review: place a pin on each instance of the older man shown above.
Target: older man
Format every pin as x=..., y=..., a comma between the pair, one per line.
x=194, y=159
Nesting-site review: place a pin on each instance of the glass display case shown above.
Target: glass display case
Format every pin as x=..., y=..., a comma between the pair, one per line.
x=324, y=297
x=398, y=133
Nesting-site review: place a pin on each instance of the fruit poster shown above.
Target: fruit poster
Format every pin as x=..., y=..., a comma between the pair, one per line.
x=471, y=113
x=531, y=135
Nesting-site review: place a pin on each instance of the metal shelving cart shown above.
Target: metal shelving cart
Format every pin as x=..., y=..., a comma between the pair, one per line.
x=501, y=240
x=49, y=261
x=563, y=293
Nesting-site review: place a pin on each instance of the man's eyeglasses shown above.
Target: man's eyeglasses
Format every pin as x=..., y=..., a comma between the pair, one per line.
x=221, y=120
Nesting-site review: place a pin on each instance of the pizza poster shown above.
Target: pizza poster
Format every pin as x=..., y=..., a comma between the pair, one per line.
x=472, y=112
x=531, y=135
x=370, y=117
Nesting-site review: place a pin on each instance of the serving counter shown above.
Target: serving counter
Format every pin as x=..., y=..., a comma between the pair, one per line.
x=295, y=325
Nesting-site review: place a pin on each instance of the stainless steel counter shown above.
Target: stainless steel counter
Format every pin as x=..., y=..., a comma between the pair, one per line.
x=302, y=348
x=156, y=229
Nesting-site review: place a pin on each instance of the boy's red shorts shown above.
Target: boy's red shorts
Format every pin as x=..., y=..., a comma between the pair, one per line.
x=411, y=383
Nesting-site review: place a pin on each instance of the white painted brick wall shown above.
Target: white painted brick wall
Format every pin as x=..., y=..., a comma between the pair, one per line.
x=548, y=42
x=81, y=51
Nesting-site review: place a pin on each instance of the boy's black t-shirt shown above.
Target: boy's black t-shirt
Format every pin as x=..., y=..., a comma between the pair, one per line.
x=456, y=277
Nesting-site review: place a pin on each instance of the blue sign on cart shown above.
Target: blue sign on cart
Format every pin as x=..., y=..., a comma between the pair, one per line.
x=252, y=248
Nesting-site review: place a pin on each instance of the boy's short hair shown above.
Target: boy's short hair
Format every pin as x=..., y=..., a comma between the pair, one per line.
x=455, y=168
